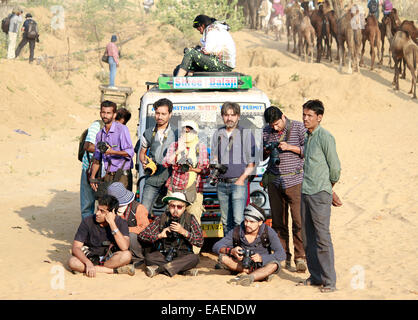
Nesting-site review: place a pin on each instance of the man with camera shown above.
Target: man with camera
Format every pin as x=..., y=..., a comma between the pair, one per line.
x=190, y=163
x=155, y=142
x=251, y=248
x=173, y=234
x=113, y=147
x=233, y=161
x=101, y=244
x=283, y=142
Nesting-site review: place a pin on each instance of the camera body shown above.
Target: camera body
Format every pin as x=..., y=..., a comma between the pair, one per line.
x=247, y=262
x=170, y=254
x=102, y=146
x=171, y=235
x=275, y=152
x=217, y=170
x=184, y=164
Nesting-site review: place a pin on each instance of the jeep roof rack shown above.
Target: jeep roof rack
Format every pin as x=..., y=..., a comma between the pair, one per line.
x=204, y=81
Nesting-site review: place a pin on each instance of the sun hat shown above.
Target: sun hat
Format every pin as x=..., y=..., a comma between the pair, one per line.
x=176, y=196
x=253, y=214
x=28, y=15
x=118, y=190
x=192, y=124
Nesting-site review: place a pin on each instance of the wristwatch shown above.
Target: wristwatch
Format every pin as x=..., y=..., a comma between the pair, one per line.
x=115, y=231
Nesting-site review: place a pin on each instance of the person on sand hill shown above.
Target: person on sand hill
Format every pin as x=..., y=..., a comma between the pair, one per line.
x=15, y=21
x=113, y=53
x=101, y=244
x=216, y=53
x=321, y=171
x=30, y=34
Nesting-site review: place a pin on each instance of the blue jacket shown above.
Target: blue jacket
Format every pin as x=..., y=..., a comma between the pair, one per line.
x=278, y=252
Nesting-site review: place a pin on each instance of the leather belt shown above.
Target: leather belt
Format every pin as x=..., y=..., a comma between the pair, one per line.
x=228, y=180
x=124, y=172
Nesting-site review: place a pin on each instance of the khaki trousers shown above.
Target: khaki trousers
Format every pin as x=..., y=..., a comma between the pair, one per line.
x=12, y=45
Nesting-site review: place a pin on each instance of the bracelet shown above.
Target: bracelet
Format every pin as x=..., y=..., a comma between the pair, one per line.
x=228, y=251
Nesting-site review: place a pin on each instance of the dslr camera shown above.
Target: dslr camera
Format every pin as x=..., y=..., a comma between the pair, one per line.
x=169, y=254
x=185, y=164
x=171, y=235
x=217, y=170
x=102, y=146
x=273, y=147
x=247, y=262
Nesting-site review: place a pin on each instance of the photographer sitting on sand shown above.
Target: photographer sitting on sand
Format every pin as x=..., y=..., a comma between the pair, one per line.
x=173, y=235
x=252, y=248
x=216, y=53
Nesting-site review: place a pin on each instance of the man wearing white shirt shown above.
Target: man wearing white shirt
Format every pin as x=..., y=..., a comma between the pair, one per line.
x=217, y=53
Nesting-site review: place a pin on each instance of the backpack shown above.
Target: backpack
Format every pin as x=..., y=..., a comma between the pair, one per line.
x=31, y=31
x=83, y=140
x=373, y=6
x=5, y=24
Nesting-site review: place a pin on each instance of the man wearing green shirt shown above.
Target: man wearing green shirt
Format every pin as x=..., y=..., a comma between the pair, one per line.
x=321, y=171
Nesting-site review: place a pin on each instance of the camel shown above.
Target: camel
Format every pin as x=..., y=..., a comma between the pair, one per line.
x=387, y=29
x=322, y=30
x=293, y=20
x=306, y=37
x=333, y=29
x=371, y=33
x=346, y=34
x=402, y=47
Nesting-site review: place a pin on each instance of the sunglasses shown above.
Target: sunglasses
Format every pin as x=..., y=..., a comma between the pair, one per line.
x=178, y=206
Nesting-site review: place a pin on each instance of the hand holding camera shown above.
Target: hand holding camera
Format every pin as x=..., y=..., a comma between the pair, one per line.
x=176, y=227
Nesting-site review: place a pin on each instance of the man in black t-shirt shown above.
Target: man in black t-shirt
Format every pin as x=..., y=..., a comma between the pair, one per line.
x=101, y=243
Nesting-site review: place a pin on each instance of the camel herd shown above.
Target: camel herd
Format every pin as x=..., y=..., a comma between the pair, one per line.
x=351, y=31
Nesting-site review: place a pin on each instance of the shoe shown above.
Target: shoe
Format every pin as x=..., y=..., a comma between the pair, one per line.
x=151, y=271
x=269, y=278
x=192, y=272
x=300, y=265
x=128, y=269
x=288, y=265
x=309, y=282
x=245, y=280
x=327, y=289
x=138, y=264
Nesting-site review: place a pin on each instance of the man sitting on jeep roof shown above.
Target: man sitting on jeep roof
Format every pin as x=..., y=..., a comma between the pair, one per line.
x=216, y=53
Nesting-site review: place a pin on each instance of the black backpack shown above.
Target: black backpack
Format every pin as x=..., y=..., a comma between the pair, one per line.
x=83, y=140
x=373, y=6
x=5, y=23
x=31, y=30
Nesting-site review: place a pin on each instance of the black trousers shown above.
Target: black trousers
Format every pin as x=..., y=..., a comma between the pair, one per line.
x=180, y=264
x=23, y=43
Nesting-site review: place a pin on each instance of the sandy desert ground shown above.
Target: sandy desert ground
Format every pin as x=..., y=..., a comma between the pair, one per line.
x=376, y=130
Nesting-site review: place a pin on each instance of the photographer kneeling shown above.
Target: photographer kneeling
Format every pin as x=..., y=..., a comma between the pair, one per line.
x=173, y=235
x=252, y=248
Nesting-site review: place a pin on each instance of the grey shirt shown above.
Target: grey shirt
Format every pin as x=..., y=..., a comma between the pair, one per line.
x=15, y=21
x=236, y=150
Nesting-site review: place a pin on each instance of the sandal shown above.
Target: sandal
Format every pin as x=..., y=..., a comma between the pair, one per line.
x=308, y=282
x=327, y=289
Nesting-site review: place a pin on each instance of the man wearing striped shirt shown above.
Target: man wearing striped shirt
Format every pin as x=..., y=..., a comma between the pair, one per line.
x=283, y=179
x=87, y=197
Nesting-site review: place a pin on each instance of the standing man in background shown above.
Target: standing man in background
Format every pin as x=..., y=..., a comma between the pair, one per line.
x=15, y=21
x=321, y=171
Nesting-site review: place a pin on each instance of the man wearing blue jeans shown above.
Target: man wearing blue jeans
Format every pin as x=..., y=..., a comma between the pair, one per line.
x=87, y=198
x=154, y=144
x=113, y=53
x=234, y=147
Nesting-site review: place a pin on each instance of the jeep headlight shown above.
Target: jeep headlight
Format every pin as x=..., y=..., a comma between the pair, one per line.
x=258, y=198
